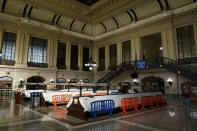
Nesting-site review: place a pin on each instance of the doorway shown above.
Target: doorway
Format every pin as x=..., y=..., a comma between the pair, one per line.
x=35, y=79
x=153, y=84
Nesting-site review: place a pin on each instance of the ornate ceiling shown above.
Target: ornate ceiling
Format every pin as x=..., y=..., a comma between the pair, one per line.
x=95, y=17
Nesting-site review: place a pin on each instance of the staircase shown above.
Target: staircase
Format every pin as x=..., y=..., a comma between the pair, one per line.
x=179, y=66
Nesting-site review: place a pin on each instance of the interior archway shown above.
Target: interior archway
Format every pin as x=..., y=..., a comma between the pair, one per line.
x=153, y=83
x=35, y=79
x=6, y=82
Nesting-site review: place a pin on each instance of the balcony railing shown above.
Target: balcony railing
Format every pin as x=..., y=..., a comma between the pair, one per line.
x=7, y=62
x=40, y=65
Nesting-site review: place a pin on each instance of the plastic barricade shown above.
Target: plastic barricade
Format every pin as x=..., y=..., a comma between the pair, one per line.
x=60, y=99
x=84, y=94
x=129, y=103
x=160, y=99
x=102, y=106
x=147, y=101
x=100, y=93
x=35, y=99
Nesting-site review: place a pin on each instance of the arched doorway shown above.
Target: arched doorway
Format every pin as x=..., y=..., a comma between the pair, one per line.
x=153, y=83
x=60, y=80
x=35, y=79
x=6, y=82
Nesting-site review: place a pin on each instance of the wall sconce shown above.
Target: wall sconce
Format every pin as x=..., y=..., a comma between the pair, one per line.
x=135, y=81
x=170, y=82
x=68, y=80
x=52, y=81
x=21, y=81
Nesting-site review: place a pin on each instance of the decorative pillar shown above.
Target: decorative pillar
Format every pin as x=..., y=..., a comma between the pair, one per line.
x=95, y=58
x=133, y=52
x=106, y=57
x=119, y=53
x=1, y=38
x=80, y=57
x=25, y=49
x=49, y=54
x=68, y=54
x=137, y=48
x=195, y=35
x=168, y=43
x=21, y=51
x=54, y=56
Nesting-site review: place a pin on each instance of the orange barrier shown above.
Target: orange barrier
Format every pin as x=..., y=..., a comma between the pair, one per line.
x=60, y=99
x=160, y=99
x=100, y=93
x=147, y=101
x=129, y=103
x=84, y=94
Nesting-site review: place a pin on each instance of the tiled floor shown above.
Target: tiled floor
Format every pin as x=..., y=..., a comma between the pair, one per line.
x=173, y=117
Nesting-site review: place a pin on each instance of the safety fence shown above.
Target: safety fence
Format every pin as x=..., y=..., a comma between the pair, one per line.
x=102, y=106
x=60, y=99
x=147, y=101
x=129, y=103
x=160, y=99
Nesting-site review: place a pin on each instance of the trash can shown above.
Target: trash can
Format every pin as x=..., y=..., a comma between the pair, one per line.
x=35, y=99
x=17, y=97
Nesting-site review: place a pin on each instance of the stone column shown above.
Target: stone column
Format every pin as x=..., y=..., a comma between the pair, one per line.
x=21, y=51
x=1, y=39
x=119, y=53
x=106, y=57
x=195, y=36
x=138, y=47
x=68, y=54
x=80, y=57
x=168, y=43
x=95, y=58
x=133, y=51
x=25, y=49
x=54, y=56
x=49, y=52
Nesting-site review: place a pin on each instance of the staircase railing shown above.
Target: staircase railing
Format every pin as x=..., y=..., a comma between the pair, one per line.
x=162, y=62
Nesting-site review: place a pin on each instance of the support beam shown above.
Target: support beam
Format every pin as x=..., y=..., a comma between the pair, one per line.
x=58, y=19
x=104, y=26
x=71, y=24
x=129, y=14
x=3, y=6
x=83, y=28
x=24, y=10
x=160, y=4
x=167, y=4
x=30, y=10
x=135, y=15
x=114, y=19
x=52, y=22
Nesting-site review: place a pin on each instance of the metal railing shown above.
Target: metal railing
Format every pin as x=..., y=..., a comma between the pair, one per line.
x=155, y=63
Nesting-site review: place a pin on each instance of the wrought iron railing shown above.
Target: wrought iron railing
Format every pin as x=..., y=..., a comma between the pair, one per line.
x=162, y=62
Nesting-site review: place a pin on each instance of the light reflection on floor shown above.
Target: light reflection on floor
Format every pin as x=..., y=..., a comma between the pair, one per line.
x=173, y=117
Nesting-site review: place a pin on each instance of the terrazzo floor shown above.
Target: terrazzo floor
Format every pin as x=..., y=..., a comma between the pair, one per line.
x=173, y=117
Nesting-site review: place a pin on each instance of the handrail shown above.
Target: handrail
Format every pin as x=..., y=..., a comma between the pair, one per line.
x=161, y=62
